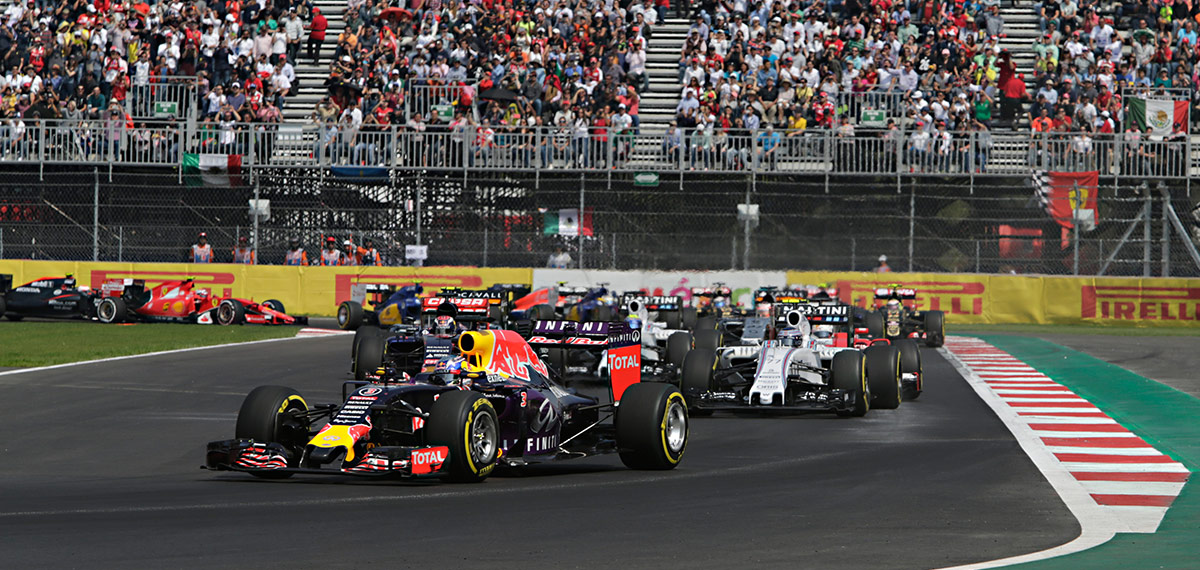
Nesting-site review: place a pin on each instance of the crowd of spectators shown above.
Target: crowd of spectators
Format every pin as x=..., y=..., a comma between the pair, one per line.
x=100, y=65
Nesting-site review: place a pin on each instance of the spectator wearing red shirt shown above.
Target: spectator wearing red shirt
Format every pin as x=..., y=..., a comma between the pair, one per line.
x=316, y=35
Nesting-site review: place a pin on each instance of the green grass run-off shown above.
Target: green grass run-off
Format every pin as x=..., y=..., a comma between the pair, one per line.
x=46, y=343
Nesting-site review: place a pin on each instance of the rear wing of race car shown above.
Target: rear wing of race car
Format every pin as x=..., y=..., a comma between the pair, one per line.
x=773, y=295
x=622, y=343
x=373, y=293
x=901, y=293
x=468, y=305
x=817, y=313
x=651, y=302
x=121, y=287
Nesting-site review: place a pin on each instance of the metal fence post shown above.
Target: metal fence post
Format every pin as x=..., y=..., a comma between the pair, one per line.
x=1146, y=235
x=254, y=237
x=120, y=243
x=582, y=211
x=1166, y=239
x=912, y=215
x=485, y=243
x=753, y=187
x=95, y=214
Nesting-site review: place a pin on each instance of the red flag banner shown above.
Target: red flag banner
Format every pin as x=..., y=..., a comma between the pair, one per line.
x=1069, y=197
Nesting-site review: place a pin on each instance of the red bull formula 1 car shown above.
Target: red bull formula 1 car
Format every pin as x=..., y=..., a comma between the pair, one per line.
x=123, y=300
x=493, y=402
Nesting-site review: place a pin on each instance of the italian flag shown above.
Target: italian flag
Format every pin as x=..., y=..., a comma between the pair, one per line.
x=1163, y=116
x=568, y=222
x=213, y=169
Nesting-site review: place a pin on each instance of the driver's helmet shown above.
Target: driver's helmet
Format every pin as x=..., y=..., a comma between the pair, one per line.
x=720, y=302
x=763, y=310
x=634, y=322
x=893, y=304
x=201, y=294
x=444, y=326
x=791, y=337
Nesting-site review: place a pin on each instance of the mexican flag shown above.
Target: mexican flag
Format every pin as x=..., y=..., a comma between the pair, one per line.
x=568, y=222
x=1163, y=116
x=213, y=169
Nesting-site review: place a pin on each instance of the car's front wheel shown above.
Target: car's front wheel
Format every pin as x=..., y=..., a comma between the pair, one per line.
x=652, y=426
x=467, y=424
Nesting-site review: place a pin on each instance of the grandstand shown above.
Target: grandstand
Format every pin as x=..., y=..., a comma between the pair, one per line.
x=825, y=90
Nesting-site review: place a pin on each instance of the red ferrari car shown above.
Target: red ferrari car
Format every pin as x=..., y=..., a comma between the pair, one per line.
x=182, y=302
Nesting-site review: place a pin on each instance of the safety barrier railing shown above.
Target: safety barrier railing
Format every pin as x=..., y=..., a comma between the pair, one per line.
x=115, y=141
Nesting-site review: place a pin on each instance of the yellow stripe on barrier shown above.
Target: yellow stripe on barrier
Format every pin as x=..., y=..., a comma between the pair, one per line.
x=303, y=290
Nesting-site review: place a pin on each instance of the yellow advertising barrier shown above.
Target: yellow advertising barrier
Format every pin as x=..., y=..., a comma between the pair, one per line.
x=303, y=290
x=995, y=299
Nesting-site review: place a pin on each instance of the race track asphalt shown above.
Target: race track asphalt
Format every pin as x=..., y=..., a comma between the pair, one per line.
x=101, y=462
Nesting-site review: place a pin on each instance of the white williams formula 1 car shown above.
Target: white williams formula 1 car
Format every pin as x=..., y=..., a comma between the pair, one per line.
x=779, y=368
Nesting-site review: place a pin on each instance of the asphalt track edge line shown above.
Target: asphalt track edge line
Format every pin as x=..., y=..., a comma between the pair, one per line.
x=158, y=353
x=1097, y=526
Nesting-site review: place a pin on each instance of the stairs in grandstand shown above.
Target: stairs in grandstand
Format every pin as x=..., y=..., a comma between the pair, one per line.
x=662, y=67
x=312, y=76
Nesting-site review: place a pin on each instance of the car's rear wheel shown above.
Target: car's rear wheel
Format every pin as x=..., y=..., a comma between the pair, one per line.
x=542, y=313
x=349, y=315
x=935, y=328
x=111, y=310
x=707, y=338
x=369, y=356
x=688, y=317
x=3, y=306
x=601, y=314
x=557, y=359
x=706, y=323
x=873, y=321
x=466, y=423
x=496, y=313
x=883, y=376
x=652, y=426
x=274, y=305
x=673, y=319
x=230, y=312
x=910, y=363
x=272, y=414
x=678, y=345
x=358, y=336
x=696, y=377
x=849, y=372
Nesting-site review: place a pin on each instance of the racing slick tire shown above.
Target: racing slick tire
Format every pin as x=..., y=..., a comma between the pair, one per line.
x=678, y=345
x=465, y=422
x=697, y=376
x=541, y=313
x=601, y=314
x=557, y=358
x=349, y=315
x=910, y=363
x=264, y=417
x=873, y=321
x=111, y=310
x=688, y=317
x=652, y=426
x=883, y=376
x=935, y=328
x=3, y=305
x=274, y=305
x=231, y=312
x=673, y=319
x=369, y=356
x=705, y=323
x=849, y=372
x=707, y=338
x=495, y=313
x=358, y=336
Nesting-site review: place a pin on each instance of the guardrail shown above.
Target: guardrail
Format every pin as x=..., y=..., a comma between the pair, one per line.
x=472, y=147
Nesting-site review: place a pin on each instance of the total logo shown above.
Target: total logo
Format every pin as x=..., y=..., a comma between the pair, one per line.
x=623, y=362
x=428, y=459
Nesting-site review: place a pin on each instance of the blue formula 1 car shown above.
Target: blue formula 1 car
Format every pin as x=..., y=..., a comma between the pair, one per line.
x=492, y=402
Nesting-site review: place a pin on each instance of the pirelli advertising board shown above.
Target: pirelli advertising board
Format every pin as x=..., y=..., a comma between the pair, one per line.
x=966, y=298
x=314, y=291
x=995, y=299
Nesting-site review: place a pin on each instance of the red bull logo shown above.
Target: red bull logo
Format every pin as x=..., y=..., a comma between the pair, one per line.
x=1133, y=302
x=511, y=354
x=952, y=297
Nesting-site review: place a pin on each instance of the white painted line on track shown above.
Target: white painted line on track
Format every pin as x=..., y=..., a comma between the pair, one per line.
x=1007, y=389
x=149, y=354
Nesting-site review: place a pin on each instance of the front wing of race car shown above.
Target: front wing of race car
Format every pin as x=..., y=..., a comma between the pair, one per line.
x=818, y=400
x=267, y=459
